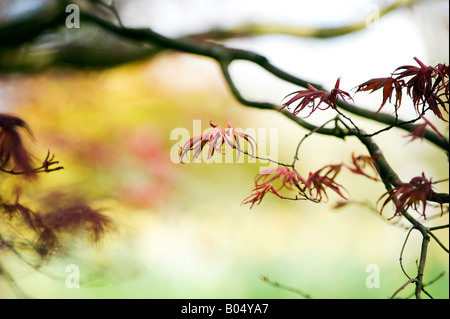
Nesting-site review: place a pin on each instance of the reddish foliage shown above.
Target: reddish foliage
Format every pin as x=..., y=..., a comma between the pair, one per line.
x=389, y=85
x=318, y=182
x=258, y=193
x=12, y=152
x=419, y=130
x=307, y=98
x=425, y=85
x=289, y=178
x=410, y=195
x=263, y=183
x=216, y=140
x=314, y=188
x=360, y=164
x=62, y=215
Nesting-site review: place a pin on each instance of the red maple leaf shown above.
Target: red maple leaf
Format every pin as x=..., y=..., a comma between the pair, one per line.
x=410, y=195
x=309, y=98
x=388, y=84
x=258, y=193
x=289, y=178
x=360, y=164
x=425, y=85
x=216, y=139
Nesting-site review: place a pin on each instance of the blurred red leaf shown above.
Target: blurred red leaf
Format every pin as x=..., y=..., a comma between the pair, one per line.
x=13, y=155
x=360, y=165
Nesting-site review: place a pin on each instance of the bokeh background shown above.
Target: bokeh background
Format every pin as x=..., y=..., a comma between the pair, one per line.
x=181, y=231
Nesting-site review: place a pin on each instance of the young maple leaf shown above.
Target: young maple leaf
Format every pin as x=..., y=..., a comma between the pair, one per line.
x=389, y=85
x=216, y=139
x=309, y=97
x=313, y=189
x=410, y=195
x=289, y=178
x=233, y=137
x=258, y=193
x=360, y=164
x=424, y=86
x=318, y=182
x=263, y=184
x=196, y=143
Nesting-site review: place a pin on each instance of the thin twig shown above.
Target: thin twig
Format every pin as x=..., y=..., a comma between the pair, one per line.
x=318, y=128
x=410, y=280
x=401, y=253
x=284, y=287
x=428, y=284
x=421, y=268
x=439, y=227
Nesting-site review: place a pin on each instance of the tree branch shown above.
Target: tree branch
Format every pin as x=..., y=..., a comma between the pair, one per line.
x=224, y=56
x=254, y=30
